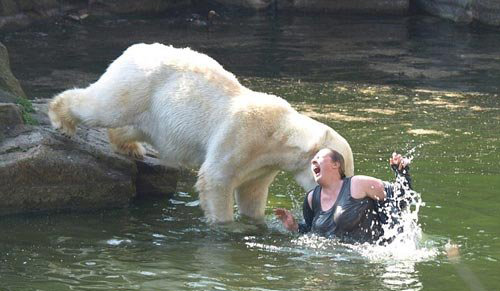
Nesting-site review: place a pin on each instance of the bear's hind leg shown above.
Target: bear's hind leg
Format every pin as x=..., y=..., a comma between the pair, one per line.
x=251, y=196
x=95, y=107
x=60, y=112
x=126, y=141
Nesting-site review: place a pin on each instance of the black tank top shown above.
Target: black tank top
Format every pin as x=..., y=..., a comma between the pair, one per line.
x=350, y=219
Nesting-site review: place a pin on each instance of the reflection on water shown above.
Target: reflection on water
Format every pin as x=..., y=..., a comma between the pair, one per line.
x=418, y=51
x=386, y=84
x=401, y=275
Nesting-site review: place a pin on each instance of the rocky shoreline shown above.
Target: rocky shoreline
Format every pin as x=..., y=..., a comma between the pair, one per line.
x=19, y=13
x=41, y=170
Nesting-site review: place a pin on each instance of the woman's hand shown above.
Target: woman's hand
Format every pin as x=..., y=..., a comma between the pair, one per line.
x=398, y=162
x=287, y=219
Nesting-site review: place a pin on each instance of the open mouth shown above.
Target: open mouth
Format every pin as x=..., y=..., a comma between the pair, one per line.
x=316, y=170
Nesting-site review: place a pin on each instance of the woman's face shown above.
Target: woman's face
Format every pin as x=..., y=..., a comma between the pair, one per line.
x=322, y=166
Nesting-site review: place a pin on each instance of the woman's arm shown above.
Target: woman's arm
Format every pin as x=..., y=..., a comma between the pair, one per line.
x=376, y=189
x=365, y=186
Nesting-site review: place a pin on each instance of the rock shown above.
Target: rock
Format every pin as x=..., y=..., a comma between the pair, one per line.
x=23, y=12
x=398, y=7
x=248, y=4
x=487, y=11
x=392, y=7
x=9, y=85
x=10, y=117
x=484, y=11
x=19, y=13
x=7, y=97
x=41, y=170
x=36, y=6
x=154, y=179
x=456, y=10
x=134, y=6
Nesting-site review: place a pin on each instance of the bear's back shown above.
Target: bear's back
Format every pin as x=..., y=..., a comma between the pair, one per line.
x=159, y=61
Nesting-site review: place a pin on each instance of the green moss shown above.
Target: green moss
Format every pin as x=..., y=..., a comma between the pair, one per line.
x=26, y=110
x=26, y=104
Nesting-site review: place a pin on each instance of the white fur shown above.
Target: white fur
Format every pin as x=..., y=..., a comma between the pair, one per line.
x=196, y=114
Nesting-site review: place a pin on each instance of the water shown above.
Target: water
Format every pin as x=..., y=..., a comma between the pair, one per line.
x=386, y=84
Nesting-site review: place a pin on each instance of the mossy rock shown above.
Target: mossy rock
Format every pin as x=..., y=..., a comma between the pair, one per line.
x=9, y=85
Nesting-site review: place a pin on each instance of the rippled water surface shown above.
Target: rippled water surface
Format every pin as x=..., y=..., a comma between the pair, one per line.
x=406, y=84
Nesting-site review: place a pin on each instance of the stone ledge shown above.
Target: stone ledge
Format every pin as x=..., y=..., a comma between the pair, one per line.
x=41, y=170
x=10, y=117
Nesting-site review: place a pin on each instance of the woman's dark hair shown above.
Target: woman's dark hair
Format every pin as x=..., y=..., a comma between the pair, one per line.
x=337, y=157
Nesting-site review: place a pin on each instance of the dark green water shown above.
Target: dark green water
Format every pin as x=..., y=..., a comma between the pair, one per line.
x=384, y=83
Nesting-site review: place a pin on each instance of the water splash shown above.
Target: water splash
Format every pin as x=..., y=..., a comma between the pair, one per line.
x=402, y=240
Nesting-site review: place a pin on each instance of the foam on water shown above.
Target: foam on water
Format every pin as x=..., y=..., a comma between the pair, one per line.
x=402, y=239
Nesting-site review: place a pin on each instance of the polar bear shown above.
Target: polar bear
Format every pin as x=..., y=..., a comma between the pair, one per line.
x=196, y=114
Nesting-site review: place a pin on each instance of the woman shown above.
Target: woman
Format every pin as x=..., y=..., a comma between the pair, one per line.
x=350, y=208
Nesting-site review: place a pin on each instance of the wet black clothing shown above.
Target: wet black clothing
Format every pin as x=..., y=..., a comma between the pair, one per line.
x=349, y=219
x=355, y=220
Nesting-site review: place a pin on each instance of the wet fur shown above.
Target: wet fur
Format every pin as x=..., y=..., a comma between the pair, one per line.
x=196, y=114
